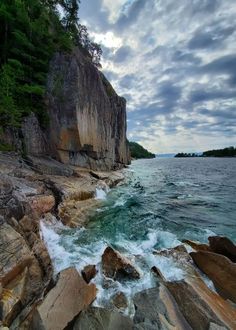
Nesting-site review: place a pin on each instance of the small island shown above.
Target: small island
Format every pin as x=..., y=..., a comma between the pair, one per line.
x=226, y=152
x=184, y=155
x=137, y=151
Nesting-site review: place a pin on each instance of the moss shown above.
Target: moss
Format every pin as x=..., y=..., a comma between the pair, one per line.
x=6, y=147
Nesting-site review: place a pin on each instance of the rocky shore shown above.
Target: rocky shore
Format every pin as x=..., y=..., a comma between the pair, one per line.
x=31, y=297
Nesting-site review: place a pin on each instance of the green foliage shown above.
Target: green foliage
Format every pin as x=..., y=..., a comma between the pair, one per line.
x=6, y=147
x=226, y=152
x=31, y=31
x=137, y=151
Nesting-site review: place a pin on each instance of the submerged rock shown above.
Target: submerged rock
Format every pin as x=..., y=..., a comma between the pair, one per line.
x=116, y=266
x=66, y=300
x=224, y=246
x=197, y=246
x=119, y=300
x=95, y=318
x=220, y=270
x=89, y=272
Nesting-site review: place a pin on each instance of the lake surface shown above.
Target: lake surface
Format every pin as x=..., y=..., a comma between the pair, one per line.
x=161, y=202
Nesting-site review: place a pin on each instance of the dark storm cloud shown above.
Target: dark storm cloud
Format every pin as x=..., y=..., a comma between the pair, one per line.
x=204, y=95
x=210, y=38
x=224, y=64
x=223, y=114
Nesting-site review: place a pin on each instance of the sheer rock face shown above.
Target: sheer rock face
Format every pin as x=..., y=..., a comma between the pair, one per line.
x=88, y=119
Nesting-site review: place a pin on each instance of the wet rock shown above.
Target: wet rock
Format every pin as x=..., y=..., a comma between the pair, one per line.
x=158, y=273
x=89, y=272
x=220, y=270
x=224, y=246
x=66, y=300
x=116, y=266
x=119, y=300
x=197, y=246
x=156, y=309
x=95, y=318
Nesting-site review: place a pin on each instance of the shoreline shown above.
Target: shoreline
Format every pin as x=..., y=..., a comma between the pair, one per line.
x=26, y=196
x=152, y=296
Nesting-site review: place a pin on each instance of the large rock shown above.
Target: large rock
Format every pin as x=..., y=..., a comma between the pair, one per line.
x=220, y=270
x=95, y=318
x=224, y=246
x=41, y=204
x=196, y=311
x=116, y=266
x=197, y=246
x=89, y=272
x=10, y=206
x=156, y=309
x=67, y=299
x=87, y=117
x=20, y=274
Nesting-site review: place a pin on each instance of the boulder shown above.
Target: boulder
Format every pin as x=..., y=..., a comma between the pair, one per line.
x=116, y=266
x=119, y=300
x=193, y=307
x=224, y=246
x=89, y=272
x=10, y=205
x=197, y=246
x=67, y=299
x=224, y=310
x=156, y=309
x=95, y=318
x=42, y=203
x=20, y=273
x=220, y=270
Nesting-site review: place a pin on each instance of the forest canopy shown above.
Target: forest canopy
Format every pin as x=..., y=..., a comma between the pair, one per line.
x=31, y=31
x=137, y=151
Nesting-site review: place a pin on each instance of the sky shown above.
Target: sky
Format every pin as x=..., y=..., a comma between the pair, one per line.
x=175, y=63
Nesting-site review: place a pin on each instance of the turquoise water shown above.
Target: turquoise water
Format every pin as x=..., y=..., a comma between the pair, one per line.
x=161, y=202
x=190, y=198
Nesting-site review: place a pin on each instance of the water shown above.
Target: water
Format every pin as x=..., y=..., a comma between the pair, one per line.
x=162, y=202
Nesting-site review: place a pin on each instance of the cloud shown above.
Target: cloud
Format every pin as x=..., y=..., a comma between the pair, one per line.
x=122, y=54
x=175, y=62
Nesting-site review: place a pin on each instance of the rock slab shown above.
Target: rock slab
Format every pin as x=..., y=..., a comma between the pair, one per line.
x=64, y=302
x=95, y=318
x=220, y=270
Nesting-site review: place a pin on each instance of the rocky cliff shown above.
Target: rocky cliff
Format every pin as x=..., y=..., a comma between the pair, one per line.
x=87, y=117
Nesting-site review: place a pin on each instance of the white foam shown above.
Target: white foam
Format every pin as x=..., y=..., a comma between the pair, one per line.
x=101, y=194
